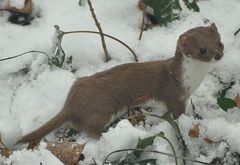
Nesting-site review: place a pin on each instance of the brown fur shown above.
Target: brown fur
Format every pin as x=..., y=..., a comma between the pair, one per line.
x=94, y=100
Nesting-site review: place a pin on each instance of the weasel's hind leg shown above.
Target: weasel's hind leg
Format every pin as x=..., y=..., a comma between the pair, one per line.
x=94, y=119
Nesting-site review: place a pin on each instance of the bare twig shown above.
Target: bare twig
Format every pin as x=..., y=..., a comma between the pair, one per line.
x=94, y=32
x=107, y=57
x=143, y=22
x=158, y=152
x=94, y=161
x=237, y=32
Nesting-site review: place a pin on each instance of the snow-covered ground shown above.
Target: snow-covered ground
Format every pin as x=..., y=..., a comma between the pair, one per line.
x=28, y=101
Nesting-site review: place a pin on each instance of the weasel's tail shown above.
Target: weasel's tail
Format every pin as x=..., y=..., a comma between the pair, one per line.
x=55, y=122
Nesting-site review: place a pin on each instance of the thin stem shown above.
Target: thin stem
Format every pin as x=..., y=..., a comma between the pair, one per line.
x=109, y=36
x=237, y=32
x=173, y=150
x=94, y=161
x=143, y=22
x=158, y=152
x=31, y=51
x=107, y=57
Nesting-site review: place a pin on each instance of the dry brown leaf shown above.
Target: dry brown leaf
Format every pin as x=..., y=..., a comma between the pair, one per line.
x=32, y=145
x=136, y=119
x=237, y=101
x=141, y=5
x=195, y=131
x=4, y=151
x=27, y=9
x=208, y=140
x=68, y=153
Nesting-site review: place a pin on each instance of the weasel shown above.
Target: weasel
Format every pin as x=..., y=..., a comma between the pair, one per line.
x=94, y=101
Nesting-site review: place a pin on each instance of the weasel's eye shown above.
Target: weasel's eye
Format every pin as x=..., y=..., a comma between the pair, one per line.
x=203, y=50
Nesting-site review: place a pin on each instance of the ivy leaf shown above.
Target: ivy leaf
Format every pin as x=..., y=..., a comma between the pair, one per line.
x=192, y=5
x=226, y=103
x=165, y=11
x=59, y=57
x=143, y=143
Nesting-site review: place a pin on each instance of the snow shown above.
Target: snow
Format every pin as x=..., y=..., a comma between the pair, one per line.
x=27, y=101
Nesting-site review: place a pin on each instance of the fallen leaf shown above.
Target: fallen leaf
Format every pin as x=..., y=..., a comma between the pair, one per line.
x=237, y=101
x=4, y=151
x=27, y=9
x=208, y=140
x=32, y=145
x=68, y=153
x=195, y=131
x=136, y=119
x=141, y=5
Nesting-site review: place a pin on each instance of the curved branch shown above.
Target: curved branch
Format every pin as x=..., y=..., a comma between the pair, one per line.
x=109, y=36
x=173, y=150
x=143, y=22
x=32, y=51
x=158, y=152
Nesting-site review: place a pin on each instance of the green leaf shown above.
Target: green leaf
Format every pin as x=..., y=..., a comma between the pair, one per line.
x=225, y=103
x=82, y=2
x=192, y=6
x=69, y=60
x=165, y=11
x=71, y=132
x=59, y=57
x=143, y=143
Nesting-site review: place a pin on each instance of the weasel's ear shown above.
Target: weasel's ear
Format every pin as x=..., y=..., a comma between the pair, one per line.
x=213, y=27
x=184, y=39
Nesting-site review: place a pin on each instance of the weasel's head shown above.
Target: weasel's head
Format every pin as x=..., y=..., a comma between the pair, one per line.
x=201, y=43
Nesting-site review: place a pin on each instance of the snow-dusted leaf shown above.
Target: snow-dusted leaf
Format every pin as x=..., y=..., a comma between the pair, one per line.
x=68, y=153
x=165, y=11
x=59, y=57
x=143, y=143
x=57, y=38
x=192, y=5
x=136, y=119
